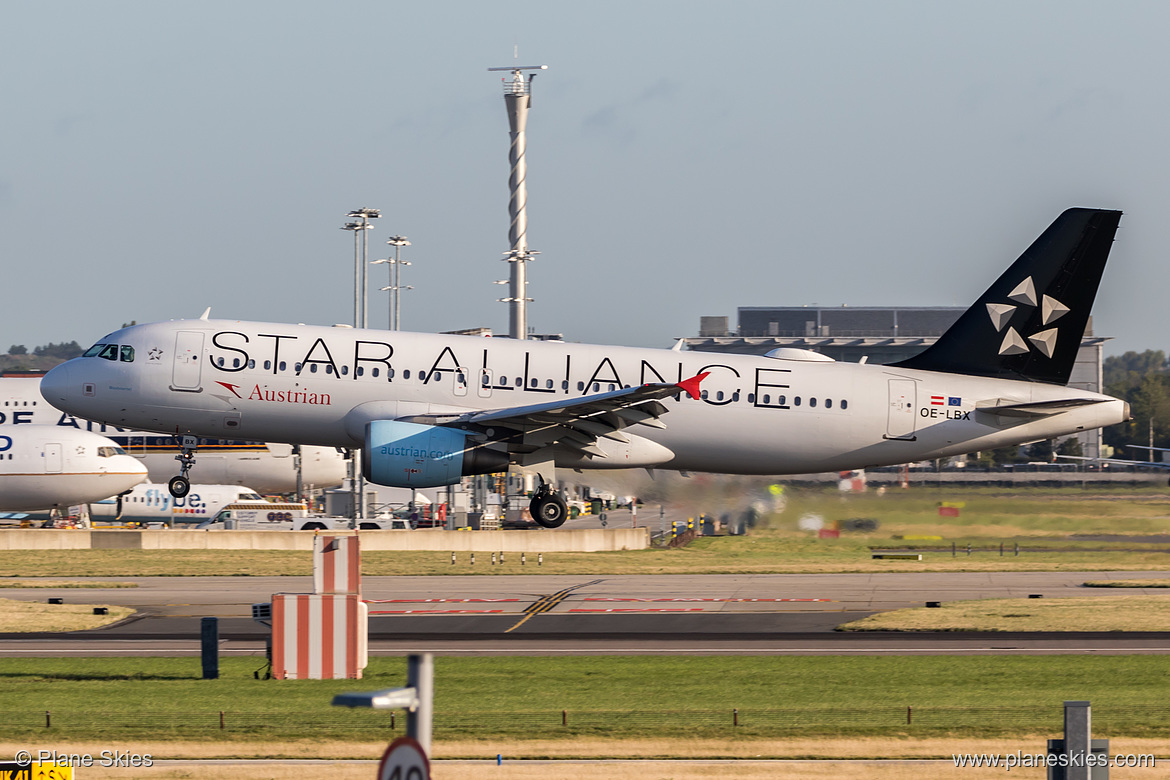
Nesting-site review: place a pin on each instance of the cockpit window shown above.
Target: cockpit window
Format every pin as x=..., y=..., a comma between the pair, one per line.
x=109, y=452
x=111, y=352
x=251, y=497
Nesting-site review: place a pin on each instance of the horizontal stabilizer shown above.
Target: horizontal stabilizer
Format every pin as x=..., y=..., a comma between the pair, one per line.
x=1006, y=407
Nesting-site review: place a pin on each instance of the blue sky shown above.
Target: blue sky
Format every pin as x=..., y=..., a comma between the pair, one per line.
x=684, y=158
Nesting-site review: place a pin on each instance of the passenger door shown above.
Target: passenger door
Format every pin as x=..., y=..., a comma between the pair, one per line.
x=188, y=361
x=53, y=458
x=900, y=417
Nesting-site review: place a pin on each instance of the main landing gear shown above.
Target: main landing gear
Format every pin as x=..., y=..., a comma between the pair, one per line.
x=181, y=485
x=548, y=509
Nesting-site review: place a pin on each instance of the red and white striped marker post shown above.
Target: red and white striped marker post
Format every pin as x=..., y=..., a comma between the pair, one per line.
x=323, y=635
x=318, y=636
x=337, y=564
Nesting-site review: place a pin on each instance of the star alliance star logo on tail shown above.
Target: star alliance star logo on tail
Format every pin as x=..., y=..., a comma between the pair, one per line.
x=1050, y=311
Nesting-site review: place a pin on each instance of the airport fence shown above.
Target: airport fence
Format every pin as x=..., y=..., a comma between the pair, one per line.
x=340, y=723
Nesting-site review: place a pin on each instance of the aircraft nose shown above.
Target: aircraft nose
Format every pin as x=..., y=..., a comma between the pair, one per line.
x=58, y=386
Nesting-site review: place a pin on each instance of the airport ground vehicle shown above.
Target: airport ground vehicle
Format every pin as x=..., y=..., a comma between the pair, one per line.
x=291, y=517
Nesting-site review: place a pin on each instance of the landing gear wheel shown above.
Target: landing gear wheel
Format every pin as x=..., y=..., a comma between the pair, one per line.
x=549, y=510
x=179, y=486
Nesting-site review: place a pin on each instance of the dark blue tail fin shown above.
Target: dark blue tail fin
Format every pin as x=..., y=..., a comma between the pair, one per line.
x=1028, y=325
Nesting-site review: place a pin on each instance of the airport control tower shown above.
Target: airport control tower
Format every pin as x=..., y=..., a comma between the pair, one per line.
x=518, y=99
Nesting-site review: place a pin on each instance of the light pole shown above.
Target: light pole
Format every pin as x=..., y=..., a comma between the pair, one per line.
x=360, y=320
x=393, y=264
x=357, y=315
x=361, y=282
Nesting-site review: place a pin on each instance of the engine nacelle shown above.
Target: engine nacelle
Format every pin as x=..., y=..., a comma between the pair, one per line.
x=402, y=454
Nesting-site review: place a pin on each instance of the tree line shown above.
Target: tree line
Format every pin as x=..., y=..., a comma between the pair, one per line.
x=62, y=351
x=1142, y=379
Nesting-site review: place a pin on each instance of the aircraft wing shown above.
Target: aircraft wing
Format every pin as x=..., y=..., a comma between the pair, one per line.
x=1006, y=407
x=576, y=423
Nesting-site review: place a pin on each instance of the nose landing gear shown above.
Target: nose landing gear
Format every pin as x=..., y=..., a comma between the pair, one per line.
x=181, y=485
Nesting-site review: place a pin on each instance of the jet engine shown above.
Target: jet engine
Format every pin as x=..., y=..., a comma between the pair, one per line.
x=403, y=454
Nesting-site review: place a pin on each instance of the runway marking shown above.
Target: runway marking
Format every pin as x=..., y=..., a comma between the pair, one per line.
x=435, y=611
x=708, y=600
x=641, y=610
x=439, y=600
x=545, y=603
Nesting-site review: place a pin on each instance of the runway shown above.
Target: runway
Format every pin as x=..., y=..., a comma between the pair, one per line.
x=779, y=614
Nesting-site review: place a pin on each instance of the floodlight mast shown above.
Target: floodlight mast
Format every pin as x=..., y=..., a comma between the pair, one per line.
x=518, y=99
x=361, y=319
x=361, y=284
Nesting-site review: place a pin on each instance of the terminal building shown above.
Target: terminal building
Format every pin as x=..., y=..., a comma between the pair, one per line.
x=880, y=334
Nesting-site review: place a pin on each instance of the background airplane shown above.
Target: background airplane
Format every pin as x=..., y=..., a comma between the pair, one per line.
x=428, y=409
x=153, y=503
x=43, y=467
x=268, y=468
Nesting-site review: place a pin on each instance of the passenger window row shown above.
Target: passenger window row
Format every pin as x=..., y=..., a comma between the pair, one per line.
x=782, y=400
x=502, y=381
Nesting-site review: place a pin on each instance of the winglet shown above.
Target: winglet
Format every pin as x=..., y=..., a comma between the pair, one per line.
x=206, y=313
x=691, y=386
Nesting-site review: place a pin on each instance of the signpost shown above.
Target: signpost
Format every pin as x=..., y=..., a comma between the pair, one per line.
x=404, y=759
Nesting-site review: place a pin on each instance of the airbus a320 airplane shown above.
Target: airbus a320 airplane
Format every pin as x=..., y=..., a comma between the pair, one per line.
x=428, y=409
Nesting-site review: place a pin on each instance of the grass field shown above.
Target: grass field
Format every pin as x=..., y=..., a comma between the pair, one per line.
x=556, y=699
x=641, y=770
x=67, y=584
x=1150, y=583
x=27, y=616
x=1107, y=613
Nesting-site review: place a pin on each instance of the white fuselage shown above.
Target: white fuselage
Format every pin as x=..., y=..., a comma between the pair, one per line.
x=43, y=467
x=268, y=468
x=153, y=503
x=758, y=415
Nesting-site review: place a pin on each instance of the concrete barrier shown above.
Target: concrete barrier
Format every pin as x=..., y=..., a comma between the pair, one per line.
x=43, y=539
x=577, y=540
